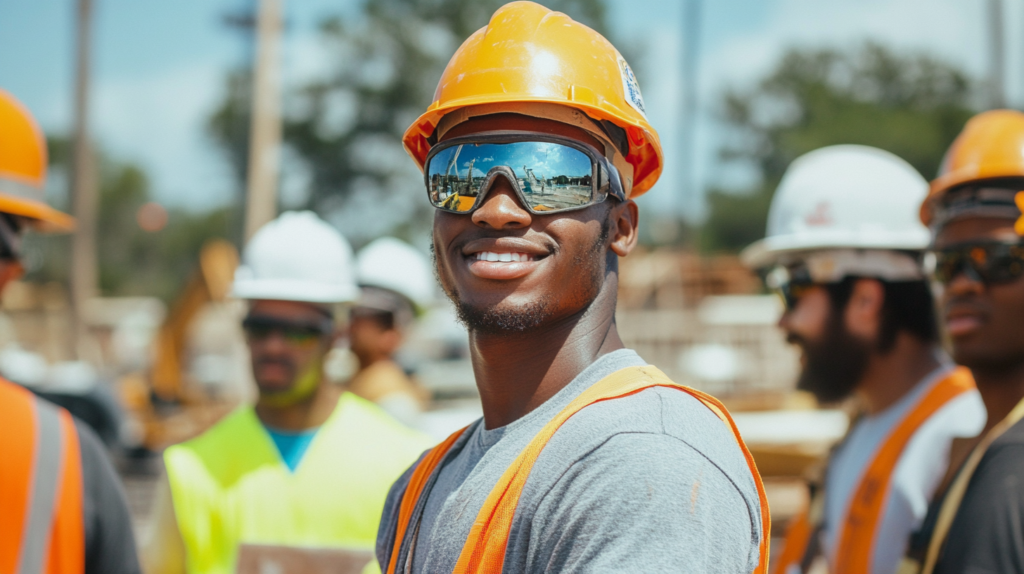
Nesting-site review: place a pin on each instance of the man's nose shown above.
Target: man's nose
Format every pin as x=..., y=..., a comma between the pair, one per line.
x=501, y=208
x=965, y=281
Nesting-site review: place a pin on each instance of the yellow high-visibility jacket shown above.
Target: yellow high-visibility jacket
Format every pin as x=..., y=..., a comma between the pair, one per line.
x=229, y=486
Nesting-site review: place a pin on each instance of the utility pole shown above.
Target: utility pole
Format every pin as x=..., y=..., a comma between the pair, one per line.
x=265, y=132
x=997, y=53
x=688, y=118
x=83, y=184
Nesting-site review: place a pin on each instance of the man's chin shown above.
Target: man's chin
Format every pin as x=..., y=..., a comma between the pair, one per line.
x=503, y=318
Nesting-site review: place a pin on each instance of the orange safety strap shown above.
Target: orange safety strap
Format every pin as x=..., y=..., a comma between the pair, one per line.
x=413, y=492
x=17, y=452
x=42, y=527
x=484, y=551
x=794, y=547
x=857, y=540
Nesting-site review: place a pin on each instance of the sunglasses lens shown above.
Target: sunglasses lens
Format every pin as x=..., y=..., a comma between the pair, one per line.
x=551, y=176
x=259, y=328
x=997, y=263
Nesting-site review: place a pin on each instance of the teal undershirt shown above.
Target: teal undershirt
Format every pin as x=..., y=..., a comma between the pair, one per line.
x=292, y=445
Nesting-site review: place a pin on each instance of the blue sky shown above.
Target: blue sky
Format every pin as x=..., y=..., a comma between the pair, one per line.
x=158, y=69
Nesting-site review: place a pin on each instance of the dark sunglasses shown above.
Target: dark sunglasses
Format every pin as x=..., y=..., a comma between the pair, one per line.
x=987, y=262
x=790, y=284
x=261, y=327
x=549, y=174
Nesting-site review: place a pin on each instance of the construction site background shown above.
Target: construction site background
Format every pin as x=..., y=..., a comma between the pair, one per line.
x=150, y=351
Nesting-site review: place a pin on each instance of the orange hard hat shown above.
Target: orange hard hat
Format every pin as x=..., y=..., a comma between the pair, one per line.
x=23, y=168
x=528, y=54
x=990, y=146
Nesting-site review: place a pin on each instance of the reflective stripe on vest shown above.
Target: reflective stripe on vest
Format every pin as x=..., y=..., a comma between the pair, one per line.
x=484, y=551
x=856, y=542
x=41, y=522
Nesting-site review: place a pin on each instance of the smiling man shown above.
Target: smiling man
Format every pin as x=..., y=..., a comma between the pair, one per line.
x=976, y=523
x=587, y=459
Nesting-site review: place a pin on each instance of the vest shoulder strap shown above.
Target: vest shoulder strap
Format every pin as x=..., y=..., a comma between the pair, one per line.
x=484, y=551
x=867, y=505
x=41, y=522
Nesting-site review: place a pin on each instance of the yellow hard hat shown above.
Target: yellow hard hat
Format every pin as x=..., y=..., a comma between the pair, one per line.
x=990, y=146
x=529, y=54
x=23, y=168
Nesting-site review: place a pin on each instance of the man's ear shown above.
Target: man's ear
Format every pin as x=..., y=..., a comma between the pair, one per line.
x=864, y=310
x=624, y=219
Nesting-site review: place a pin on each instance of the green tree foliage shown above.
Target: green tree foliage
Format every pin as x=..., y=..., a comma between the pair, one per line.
x=132, y=261
x=344, y=130
x=912, y=105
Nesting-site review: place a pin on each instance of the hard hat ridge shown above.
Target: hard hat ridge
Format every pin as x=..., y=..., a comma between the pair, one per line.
x=297, y=257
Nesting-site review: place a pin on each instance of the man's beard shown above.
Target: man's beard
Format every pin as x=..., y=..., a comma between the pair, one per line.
x=835, y=364
x=501, y=318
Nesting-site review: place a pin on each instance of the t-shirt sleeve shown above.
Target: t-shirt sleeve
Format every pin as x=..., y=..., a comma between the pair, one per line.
x=987, y=535
x=109, y=542
x=644, y=502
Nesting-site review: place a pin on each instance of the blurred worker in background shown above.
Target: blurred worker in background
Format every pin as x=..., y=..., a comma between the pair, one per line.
x=532, y=151
x=844, y=250
x=62, y=508
x=395, y=283
x=304, y=467
x=976, y=522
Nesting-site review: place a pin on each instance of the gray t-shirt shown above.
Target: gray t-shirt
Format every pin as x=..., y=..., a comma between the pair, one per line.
x=652, y=482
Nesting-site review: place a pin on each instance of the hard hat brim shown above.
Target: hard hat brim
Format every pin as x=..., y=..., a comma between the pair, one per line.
x=293, y=290
x=772, y=250
x=42, y=217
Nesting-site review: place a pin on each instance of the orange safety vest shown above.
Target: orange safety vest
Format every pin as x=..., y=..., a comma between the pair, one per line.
x=857, y=539
x=484, y=551
x=42, y=528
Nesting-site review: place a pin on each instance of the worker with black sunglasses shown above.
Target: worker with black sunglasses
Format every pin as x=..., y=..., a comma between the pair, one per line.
x=976, y=521
x=587, y=459
x=308, y=465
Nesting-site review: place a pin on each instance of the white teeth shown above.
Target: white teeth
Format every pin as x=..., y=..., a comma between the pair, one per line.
x=502, y=257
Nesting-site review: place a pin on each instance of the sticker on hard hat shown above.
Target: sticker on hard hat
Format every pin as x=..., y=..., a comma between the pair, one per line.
x=631, y=88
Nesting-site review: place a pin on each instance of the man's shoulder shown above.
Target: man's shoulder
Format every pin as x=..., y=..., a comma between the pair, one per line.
x=656, y=410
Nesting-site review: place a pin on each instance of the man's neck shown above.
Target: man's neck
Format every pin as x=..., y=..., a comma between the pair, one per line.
x=891, y=376
x=1001, y=389
x=302, y=415
x=518, y=372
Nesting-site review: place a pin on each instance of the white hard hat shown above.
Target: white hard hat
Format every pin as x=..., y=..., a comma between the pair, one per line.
x=392, y=264
x=296, y=257
x=842, y=198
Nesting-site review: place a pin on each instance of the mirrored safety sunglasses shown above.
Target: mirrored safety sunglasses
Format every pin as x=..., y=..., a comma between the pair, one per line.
x=549, y=174
x=260, y=328
x=987, y=262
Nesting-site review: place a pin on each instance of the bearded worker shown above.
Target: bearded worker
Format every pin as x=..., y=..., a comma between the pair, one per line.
x=844, y=249
x=976, y=214
x=587, y=459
